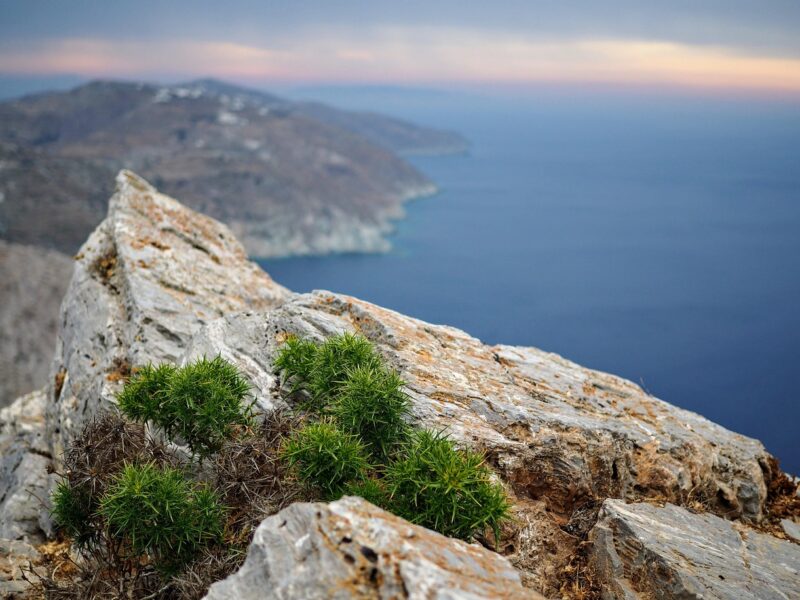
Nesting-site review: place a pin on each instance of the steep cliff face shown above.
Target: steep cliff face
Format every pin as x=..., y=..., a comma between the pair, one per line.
x=158, y=282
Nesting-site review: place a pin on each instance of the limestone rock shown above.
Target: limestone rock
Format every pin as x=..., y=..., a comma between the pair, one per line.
x=24, y=457
x=561, y=436
x=147, y=279
x=352, y=549
x=643, y=551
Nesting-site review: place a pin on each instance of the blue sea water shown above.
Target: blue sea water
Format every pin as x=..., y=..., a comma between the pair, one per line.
x=654, y=238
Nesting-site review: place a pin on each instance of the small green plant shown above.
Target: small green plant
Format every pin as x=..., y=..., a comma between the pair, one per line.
x=370, y=490
x=295, y=361
x=146, y=391
x=71, y=509
x=161, y=514
x=334, y=359
x=326, y=458
x=200, y=404
x=449, y=490
x=372, y=405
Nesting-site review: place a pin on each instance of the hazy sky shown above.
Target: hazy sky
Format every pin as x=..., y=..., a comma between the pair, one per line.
x=752, y=45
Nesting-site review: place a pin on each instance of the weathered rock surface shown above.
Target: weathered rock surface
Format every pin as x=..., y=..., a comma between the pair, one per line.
x=561, y=436
x=352, y=549
x=643, y=551
x=147, y=279
x=32, y=283
x=24, y=457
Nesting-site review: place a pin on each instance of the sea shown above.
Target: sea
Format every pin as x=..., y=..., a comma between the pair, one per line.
x=652, y=235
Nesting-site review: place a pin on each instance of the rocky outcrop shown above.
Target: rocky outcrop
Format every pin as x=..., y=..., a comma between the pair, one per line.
x=562, y=437
x=32, y=283
x=159, y=282
x=352, y=549
x=145, y=282
x=643, y=551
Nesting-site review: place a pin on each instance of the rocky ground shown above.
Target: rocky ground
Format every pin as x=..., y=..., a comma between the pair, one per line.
x=614, y=491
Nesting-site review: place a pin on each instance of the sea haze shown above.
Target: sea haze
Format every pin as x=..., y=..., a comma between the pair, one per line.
x=654, y=238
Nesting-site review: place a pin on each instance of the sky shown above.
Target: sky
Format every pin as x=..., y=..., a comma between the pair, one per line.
x=751, y=46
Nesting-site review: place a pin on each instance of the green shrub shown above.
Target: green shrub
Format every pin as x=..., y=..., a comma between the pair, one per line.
x=295, y=361
x=336, y=357
x=161, y=514
x=200, y=404
x=437, y=486
x=326, y=458
x=370, y=490
x=72, y=508
x=372, y=405
x=145, y=392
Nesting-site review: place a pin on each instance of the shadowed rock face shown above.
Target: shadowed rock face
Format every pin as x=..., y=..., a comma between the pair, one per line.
x=352, y=549
x=159, y=282
x=643, y=551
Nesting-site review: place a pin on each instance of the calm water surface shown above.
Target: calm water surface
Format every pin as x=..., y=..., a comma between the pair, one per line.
x=655, y=239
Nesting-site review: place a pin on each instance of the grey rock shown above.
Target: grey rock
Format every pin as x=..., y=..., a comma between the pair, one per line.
x=32, y=283
x=24, y=457
x=558, y=434
x=352, y=549
x=644, y=551
x=147, y=279
x=791, y=528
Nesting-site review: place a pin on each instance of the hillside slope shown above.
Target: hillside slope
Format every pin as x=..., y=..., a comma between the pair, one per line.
x=286, y=179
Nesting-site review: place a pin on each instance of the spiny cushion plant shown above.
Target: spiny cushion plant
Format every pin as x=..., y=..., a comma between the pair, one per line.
x=417, y=474
x=334, y=359
x=296, y=360
x=145, y=392
x=372, y=405
x=71, y=509
x=201, y=403
x=322, y=369
x=449, y=490
x=161, y=514
x=326, y=458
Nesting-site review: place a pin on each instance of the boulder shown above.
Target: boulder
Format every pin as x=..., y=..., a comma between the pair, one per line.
x=147, y=279
x=645, y=551
x=352, y=549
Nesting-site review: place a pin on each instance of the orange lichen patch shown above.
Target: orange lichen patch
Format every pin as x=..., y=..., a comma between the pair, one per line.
x=106, y=265
x=143, y=264
x=121, y=370
x=58, y=382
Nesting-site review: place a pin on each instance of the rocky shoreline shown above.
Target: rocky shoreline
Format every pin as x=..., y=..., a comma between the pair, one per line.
x=615, y=493
x=340, y=233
